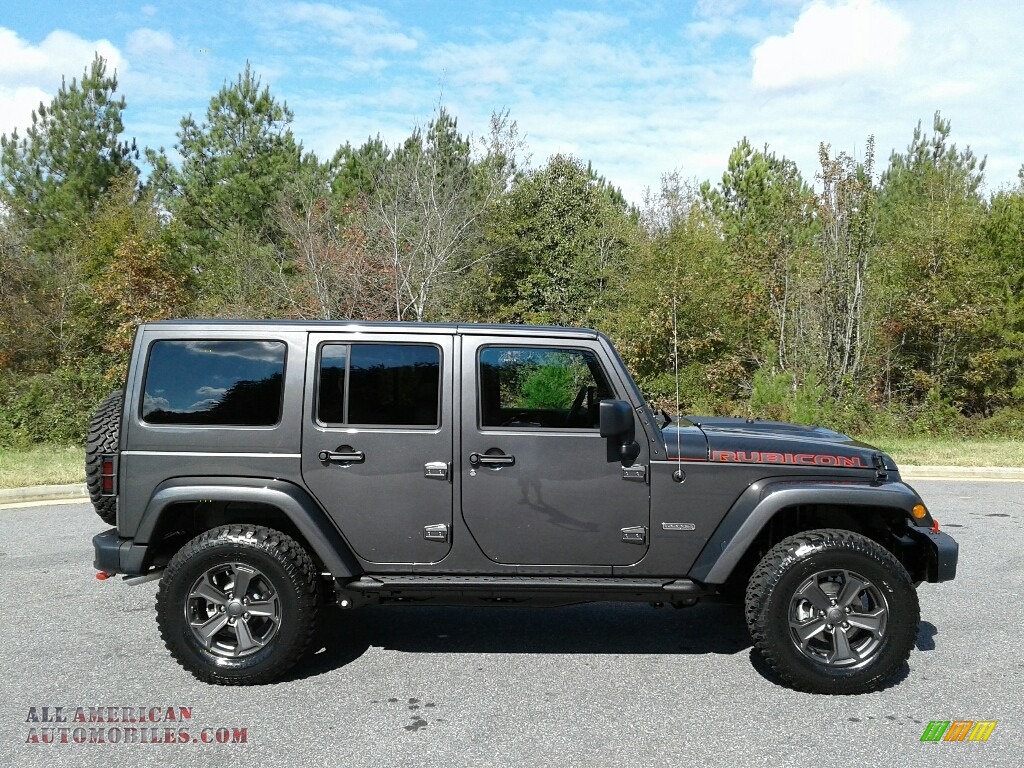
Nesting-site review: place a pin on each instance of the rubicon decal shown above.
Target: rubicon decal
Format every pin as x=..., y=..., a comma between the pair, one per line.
x=804, y=459
x=958, y=730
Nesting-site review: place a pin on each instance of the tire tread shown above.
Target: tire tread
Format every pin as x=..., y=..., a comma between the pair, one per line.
x=775, y=565
x=290, y=555
x=103, y=437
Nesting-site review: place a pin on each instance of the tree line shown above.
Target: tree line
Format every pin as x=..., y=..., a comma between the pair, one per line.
x=870, y=298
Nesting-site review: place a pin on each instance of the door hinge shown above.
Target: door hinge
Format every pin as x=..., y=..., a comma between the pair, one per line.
x=437, y=532
x=436, y=469
x=636, y=534
x=635, y=472
x=879, y=463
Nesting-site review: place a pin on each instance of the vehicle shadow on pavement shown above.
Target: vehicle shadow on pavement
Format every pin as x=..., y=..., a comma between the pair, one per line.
x=769, y=674
x=597, y=628
x=926, y=632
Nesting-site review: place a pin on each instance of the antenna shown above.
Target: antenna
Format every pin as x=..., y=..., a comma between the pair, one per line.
x=678, y=474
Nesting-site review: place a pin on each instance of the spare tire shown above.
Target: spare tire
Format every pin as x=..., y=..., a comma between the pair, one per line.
x=104, y=433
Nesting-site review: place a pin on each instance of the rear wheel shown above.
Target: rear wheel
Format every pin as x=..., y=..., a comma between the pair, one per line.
x=237, y=604
x=104, y=433
x=832, y=612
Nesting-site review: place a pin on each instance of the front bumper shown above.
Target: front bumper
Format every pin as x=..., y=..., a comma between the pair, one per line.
x=941, y=552
x=117, y=555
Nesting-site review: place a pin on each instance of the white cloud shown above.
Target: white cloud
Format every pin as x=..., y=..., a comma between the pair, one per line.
x=267, y=351
x=151, y=403
x=31, y=74
x=149, y=42
x=712, y=8
x=16, y=105
x=60, y=53
x=636, y=90
x=830, y=42
x=362, y=29
x=168, y=77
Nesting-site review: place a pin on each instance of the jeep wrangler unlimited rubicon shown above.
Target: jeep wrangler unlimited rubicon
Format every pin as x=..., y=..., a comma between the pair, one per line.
x=263, y=469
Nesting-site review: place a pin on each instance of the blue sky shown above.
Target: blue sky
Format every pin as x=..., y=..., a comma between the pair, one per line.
x=638, y=88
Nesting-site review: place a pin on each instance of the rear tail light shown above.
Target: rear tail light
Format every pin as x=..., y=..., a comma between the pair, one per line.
x=108, y=474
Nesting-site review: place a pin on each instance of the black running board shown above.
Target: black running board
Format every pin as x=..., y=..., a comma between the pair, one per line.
x=546, y=590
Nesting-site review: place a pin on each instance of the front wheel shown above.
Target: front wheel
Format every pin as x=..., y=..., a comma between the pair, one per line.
x=237, y=604
x=832, y=612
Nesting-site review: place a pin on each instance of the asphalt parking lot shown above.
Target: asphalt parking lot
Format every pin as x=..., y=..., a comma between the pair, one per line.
x=595, y=685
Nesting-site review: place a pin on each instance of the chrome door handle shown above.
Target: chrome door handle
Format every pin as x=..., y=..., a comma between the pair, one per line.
x=491, y=459
x=342, y=457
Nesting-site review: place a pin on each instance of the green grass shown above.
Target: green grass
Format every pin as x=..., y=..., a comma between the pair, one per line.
x=968, y=452
x=56, y=465
x=42, y=465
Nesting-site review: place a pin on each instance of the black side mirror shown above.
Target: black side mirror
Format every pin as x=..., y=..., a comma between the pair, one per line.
x=616, y=418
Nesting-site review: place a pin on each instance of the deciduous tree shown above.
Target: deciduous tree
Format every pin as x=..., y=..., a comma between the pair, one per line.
x=764, y=209
x=562, y=237
x=847, y=217
x=428, y=206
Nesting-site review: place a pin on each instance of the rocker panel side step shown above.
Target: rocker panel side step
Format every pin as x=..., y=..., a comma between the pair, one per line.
x=434, y=584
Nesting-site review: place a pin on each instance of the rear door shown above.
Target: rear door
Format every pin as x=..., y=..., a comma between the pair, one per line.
x=377, y=442
x=540, y=486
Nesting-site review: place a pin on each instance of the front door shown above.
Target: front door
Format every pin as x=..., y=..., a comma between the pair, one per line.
x=377, y=441
x=540, y=486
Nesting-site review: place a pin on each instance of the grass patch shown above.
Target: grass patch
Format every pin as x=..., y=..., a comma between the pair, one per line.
x=41, y=465
x=951, y=451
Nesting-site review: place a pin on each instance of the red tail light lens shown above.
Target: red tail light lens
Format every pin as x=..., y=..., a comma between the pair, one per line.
x=108, y=475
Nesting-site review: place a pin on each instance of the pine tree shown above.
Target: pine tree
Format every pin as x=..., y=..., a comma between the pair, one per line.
x=54, y=175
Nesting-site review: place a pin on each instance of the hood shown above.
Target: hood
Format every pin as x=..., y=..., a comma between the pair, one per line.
x=749, y=441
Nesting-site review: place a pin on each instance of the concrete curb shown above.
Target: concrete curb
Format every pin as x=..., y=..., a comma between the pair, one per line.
x=72, y=492
x=78, y=491
x=909, y=472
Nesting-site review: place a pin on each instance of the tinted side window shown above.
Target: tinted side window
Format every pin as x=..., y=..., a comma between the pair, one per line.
x=534, y=387
x=380, y=385
x=331, y=389
x=205, y=383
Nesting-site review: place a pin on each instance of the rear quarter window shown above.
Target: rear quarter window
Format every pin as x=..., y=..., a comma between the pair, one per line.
x=214, y=383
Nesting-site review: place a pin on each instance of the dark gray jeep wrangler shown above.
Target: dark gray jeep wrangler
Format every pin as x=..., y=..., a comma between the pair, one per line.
x=263, y=469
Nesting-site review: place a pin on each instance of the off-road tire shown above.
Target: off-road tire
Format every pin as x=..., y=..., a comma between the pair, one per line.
x=774, y=597
x=104, y=433
x=281, y=562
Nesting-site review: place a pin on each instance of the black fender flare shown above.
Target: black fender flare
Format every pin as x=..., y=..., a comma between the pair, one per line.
x=762, y=500
x=294, y=502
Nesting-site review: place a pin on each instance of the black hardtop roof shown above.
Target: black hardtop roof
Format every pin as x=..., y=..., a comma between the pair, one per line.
x=327, y=326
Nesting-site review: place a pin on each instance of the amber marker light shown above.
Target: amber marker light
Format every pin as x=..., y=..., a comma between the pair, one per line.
x=919, y=511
